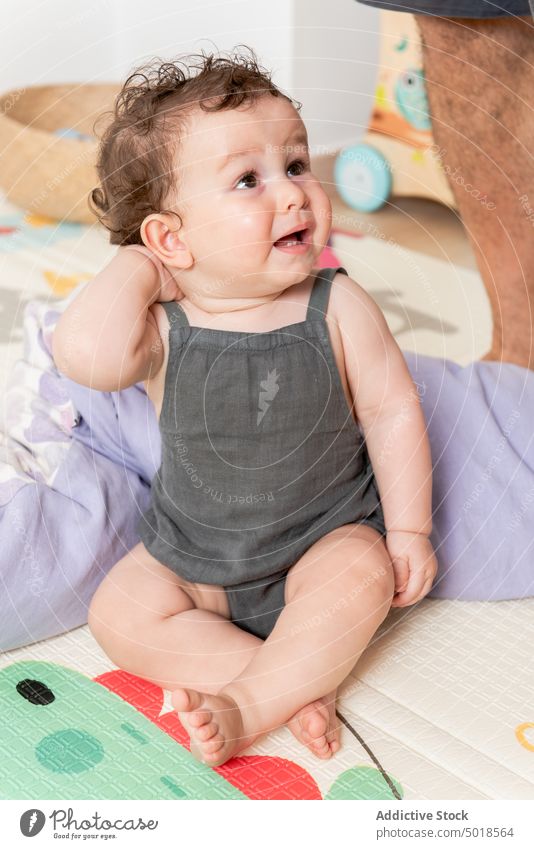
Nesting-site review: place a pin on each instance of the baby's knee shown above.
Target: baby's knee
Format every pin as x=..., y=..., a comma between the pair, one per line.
x=106, y=620
x=371, y=576
x=119, y=606
x=99, y=610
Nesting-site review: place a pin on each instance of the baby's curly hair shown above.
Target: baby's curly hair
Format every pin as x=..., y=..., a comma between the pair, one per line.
x=138, y=147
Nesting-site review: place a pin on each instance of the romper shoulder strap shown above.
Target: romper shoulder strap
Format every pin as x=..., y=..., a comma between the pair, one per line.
x=175, y=314
x=318, y=303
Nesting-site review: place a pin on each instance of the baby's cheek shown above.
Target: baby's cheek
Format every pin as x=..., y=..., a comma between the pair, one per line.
x=249, y=239
x=322, y=208
x=253, y=229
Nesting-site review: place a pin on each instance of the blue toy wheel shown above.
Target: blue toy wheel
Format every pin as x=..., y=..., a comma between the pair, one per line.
x=362, y=177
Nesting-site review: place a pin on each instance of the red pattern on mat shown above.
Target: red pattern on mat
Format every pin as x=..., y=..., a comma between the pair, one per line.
x=257, y=776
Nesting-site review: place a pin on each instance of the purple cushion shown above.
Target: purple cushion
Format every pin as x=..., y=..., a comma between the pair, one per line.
x=481, y=429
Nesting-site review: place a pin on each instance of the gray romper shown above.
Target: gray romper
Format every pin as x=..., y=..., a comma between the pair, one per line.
x=261, y=457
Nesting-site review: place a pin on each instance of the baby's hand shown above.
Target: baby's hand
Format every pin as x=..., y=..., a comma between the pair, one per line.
x=414, y=565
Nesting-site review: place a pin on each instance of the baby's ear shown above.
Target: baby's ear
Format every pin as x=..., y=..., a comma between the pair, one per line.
x=163, y=235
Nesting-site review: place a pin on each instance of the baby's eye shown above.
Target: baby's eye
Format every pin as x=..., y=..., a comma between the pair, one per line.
x=250, y=174
x=302, y=166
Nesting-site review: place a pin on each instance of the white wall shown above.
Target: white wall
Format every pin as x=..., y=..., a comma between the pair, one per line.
x=335, y=57
x=176, y=27
x=55, y=41
x=323, y=52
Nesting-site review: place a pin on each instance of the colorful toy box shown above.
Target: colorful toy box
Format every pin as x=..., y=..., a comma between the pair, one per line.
x=397, y=155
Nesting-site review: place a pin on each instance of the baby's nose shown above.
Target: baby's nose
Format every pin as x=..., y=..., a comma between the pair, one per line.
x=292, y=196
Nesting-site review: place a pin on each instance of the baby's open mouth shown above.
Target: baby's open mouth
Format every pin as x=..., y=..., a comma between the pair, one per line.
x=297, y=237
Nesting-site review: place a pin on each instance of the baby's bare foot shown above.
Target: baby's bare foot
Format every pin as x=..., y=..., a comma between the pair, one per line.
x=214, y=723
x=316, y=726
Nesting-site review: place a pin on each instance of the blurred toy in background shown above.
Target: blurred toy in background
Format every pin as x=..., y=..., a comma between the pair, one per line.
x=411, y=99
x=397, y=155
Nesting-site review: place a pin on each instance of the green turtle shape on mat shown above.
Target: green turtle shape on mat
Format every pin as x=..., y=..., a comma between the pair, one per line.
x=63, y=736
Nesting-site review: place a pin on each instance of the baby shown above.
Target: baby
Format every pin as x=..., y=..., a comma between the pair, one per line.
x=292, y=506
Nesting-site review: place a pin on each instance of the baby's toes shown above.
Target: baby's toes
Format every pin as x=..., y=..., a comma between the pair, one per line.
x=211, y=747
x=200, y=717
x=335, y=746
x=321, y=747
x=206, y=732
x=185, y=701
x=333, y=738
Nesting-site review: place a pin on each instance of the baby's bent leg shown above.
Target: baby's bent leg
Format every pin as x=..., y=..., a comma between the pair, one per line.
x=176, y=634
x=337, y=595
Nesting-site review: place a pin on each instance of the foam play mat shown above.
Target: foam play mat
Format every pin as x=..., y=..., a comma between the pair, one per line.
x=441, y=704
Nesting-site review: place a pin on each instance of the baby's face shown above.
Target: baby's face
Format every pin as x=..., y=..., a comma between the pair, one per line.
x=244, y=183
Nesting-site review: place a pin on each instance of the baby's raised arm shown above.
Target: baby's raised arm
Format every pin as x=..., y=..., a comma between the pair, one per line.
x=388, y=408
x=107, y=338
